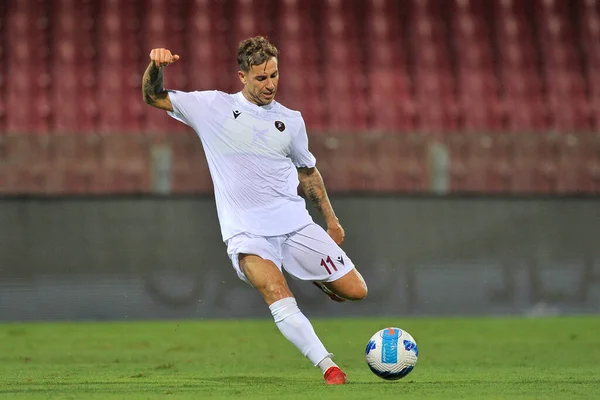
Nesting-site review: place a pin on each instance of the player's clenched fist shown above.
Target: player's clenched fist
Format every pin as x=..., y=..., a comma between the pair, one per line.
x=162, y=57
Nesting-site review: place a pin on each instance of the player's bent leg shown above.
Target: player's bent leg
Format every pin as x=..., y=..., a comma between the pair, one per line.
x=351, y=286
x=310, y=254
x=266, y=277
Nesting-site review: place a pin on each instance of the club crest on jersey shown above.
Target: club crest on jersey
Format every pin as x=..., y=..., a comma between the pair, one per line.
x=280, y=126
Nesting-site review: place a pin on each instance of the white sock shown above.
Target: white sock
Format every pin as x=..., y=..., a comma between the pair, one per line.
x=326, y=363
x=297, y=329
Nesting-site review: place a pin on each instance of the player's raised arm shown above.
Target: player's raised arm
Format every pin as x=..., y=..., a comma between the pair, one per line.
x=313, y=186
x=153, y=90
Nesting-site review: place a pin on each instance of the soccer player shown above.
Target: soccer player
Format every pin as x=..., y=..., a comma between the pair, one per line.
x=257, y=153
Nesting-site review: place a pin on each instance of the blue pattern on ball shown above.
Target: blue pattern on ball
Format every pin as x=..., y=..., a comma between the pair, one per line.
x=389, y=346
x=370, y=346
x=392, y=376
x=411, y=346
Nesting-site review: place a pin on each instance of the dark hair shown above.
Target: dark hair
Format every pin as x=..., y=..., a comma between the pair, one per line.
x=255, y=51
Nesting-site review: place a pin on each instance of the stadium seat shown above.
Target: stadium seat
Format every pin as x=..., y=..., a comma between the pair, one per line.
x=435, y=104
x=162, y=26
x=522, y=103
x=517, y=57
x=29, y=96
x=432, y=55
x=518, y=84
x=513, y=25
x=339, y=21
x=568, y=106
x=26, y=92
x=390, y=102
x=252, y=18
x=426, y=26
x=478, y=99
x=345, y=114
x=435, y=118
x=525, y=114
x=209, y=23
x=430, y=65
x=589, y=15
x=556, y=40
x=73, y=67
x=344, y=93
x=469, y=27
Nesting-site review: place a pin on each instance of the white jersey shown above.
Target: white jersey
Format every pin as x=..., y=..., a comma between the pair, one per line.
x=252, y=153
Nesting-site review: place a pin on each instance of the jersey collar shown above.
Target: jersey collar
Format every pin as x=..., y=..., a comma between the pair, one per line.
x=244, y=100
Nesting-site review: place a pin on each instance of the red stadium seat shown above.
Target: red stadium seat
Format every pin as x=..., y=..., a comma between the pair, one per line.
x=341, y=54
x=26, y=92
x=433, y=83
x=476, y=55
x=432, y=56
x=513, y=26
x=345, y=106
x=435, y=104
x=525, y=114
x=73, y=67
x=346, y=114
x=380, y=26
x=164, y=27
x=31, y=110
x=469, y=27
x=252, y=18
x=522, y=102
x=339, y=21
x=517, y=84
x=567, y=103
x=378, y=66
x=434, y=117
x=589, y=14
x=389, y=100
x=480, y=115
x=517, y=57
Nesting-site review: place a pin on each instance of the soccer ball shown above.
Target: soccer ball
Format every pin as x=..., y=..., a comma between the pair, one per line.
x=391, y=353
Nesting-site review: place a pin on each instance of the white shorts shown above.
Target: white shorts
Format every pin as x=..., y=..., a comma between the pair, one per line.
x=309, y=254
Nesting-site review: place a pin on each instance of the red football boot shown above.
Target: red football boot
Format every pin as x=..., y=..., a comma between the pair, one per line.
x=334, y=376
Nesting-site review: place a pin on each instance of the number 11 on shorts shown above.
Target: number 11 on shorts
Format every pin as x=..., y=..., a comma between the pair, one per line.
x=324, y=264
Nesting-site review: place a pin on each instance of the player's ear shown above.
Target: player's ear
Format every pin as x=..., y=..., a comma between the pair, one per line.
x=242, y=76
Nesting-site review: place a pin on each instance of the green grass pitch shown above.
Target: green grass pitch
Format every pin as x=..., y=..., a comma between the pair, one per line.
x=459, y=358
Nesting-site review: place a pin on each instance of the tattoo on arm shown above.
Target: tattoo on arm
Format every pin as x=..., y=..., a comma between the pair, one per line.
x=313, y=195
x=314, y=188
x=152, y=85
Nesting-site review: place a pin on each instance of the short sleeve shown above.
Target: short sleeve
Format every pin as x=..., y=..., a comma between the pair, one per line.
x=300, y=155
x=189, y=106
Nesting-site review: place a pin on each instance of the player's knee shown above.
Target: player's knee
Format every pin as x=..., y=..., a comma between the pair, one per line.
x=355, y=291
x=358, y=292
x=359, y=288
x=274, y=291
x=351, y=287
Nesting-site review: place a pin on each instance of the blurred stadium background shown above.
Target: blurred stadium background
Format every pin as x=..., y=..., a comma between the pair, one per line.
x=459, y=140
